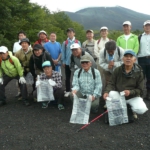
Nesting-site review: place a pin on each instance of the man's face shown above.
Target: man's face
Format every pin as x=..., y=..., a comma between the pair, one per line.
x=86, y=65
x=48, y=71
x=129, y=60
x=25, y=45
x=4, y=56
x=76, y=52
x=21, y=36
x=89, y=35
x=42, y=36
x=147, y=28
x=126, y=29
x=104, y=33
x=111, y=52
x=38, y=52
x=52, y=37
x=70, y=34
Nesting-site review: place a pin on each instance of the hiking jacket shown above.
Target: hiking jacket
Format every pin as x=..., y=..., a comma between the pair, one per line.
x=11, y=70
x=36, y=62
x=133, y=81
x=24, y=58
x=132, y=43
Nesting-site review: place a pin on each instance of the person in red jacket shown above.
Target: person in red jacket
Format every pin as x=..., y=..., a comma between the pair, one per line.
x=42, y=38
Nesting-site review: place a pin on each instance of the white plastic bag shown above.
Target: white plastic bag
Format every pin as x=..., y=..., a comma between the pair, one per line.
x=117, y=109
x=81, y=110
x=29, y=78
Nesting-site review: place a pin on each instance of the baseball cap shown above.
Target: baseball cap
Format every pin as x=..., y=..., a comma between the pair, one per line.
x=46, y=64
x=70, y=29
x=146, y=22
x=3, y=49
x=129, y=52
x=25, y=40
x=42, y=31
x=127, y=23
x=89, y=31
x=103, y=28
x=37, y=47
x=85, y=58
x=75, y=46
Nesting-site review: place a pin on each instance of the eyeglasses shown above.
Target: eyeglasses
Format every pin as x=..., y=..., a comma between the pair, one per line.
x=84, y=62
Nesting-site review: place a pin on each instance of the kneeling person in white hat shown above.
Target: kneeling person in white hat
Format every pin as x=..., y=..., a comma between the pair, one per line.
x=10, y=68
x=54, y=79
x=86, y=82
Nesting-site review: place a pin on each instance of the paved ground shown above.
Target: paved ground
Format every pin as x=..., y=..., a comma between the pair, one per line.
x=34, y=128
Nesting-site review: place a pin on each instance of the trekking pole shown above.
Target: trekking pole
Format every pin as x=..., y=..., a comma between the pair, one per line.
x=92, y=120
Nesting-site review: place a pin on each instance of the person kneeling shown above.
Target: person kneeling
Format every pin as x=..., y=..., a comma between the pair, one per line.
x=87, y=81
x=128, y=78
x=54, y=79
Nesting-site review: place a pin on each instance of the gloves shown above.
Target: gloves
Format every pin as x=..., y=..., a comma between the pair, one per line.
x=51, y=82
x=37, y=83
x=22, y=80
x=1, y=81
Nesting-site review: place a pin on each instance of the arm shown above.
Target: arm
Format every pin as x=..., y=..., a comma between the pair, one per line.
x=58, y=80
x=75, y=82
x=136, y=46
x=31, y=66
x=1, y=72
x=48, y=57
x=63, y=53
x=96, y=50
x=118, y=44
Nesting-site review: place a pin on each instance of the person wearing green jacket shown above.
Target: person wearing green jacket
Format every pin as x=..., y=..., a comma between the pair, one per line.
x=128, y=40
x=10, y=68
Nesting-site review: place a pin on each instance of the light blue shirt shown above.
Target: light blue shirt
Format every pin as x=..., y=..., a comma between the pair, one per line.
x=86, y=84
x=66, y=51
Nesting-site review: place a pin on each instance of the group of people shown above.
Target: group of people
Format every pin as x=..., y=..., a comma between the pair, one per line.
x=98, y=66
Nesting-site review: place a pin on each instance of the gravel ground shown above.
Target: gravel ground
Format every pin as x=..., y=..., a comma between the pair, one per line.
x=34, y=128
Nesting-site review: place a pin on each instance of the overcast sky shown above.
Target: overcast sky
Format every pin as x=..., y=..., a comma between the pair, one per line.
x=142, y=6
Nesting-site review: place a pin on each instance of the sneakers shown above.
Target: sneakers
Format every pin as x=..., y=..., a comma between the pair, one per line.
x=60, y=107
x=66, y=94
x=44, y=105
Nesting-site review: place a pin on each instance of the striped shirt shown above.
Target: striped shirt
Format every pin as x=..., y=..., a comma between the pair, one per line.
x=86, y=84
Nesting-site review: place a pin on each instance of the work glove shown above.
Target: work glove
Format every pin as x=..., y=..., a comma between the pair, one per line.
x=22, y=80
x=51, y=82
x=1, y=81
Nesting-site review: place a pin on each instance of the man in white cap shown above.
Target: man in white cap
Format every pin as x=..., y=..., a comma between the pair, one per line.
x=87, y=81
x=128, y=40
x=100, y=43
x=144, y=55
x=10, y=68
x=90, y=42
x=42, y=35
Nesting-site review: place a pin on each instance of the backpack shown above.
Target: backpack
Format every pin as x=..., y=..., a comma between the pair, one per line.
x=118, y=49
x=66, y=43
x=10, y=60
x=93, y=73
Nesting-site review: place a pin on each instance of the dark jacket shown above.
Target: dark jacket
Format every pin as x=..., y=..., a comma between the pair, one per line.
x=133, y=81
x=36, y=62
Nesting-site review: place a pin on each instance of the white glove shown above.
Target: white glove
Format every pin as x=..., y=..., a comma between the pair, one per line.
x=1, y=81
x=37, y=83
x=51, y=82
x=22, y=80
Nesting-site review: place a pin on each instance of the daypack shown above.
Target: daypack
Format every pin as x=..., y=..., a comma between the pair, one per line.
x=10, y=60
x=66, y=43
x=93, y=73
x=118, y=49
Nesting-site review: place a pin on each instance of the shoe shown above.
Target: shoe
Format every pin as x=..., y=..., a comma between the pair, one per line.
x=67, y=94
x=135, y=115
x=2, y=103
x=44, y=105
x=18, y=95
x=20, y=98
x=26, y=103
x=60, y=107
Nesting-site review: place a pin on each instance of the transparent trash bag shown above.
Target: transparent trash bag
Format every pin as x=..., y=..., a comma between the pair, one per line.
x=29, y=78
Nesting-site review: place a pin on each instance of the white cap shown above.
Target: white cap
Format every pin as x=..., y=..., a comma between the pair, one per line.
x=127, y=23
x=146, y=22
x=103, y=28
x=3, y=49
x=75, y=46
x=42, y=31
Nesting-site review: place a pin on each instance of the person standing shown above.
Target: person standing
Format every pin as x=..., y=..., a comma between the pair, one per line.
x=66, y=54
x=54, y=48
x=128, y=40
x=144, y=55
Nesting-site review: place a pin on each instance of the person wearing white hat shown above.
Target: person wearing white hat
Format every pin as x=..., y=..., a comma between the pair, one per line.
x=128, y=40
x=42, y=35
x=11, y=69
x=144, y=55
x=100, y=43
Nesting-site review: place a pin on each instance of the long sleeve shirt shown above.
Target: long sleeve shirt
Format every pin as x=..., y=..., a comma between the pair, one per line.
x=86, y=84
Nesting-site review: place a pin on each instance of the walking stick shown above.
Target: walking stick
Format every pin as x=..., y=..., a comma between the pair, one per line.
x=92, y=120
